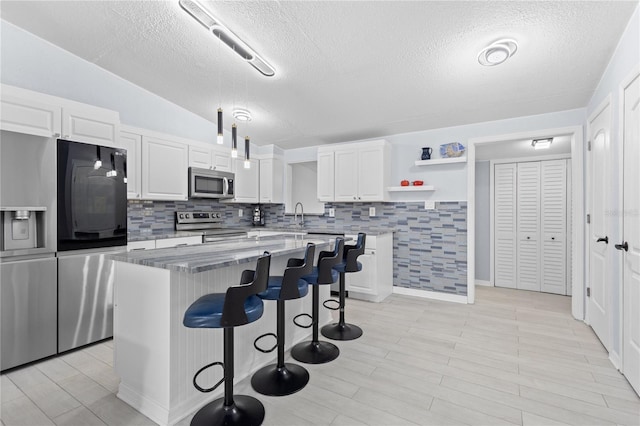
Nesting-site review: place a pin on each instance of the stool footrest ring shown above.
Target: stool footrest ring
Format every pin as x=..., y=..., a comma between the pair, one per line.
x=265, y=351
x=301, y=325
x=205, y=390
x=331, y=301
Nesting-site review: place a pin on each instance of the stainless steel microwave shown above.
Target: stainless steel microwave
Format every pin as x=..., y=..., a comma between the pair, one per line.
x=205, y=183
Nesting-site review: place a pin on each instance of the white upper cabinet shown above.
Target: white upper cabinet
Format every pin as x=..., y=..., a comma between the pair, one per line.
x=199, y=157
x=132, y=142
x=221, y=159
x=164, y=169
x=210, y=157
x=90, y=124
x=247, y=182
x=23, y=115
x=326, y=176
x=33, y=113
x=272, y=180
x=361, y=171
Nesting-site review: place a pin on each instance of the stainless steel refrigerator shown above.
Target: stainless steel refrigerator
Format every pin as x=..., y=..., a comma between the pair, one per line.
x=28, y=267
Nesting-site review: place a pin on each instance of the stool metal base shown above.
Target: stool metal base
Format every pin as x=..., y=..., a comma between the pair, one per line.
x=338, y=331
x=245, y=411
x=315, y=352
x=274, y=381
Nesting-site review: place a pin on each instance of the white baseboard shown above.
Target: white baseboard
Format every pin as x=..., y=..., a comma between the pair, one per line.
x=428, y=294
x=615, y=360
x=484, y=283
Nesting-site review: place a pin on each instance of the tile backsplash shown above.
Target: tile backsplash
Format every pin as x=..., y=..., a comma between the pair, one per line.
x=429, y=246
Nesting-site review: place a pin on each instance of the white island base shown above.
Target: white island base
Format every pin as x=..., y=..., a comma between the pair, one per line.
x=156, y=356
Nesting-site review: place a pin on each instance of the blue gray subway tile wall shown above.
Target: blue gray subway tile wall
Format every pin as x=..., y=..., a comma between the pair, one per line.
x=429, y=246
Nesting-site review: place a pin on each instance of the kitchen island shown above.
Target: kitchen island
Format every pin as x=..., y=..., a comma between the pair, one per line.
x=156, y=356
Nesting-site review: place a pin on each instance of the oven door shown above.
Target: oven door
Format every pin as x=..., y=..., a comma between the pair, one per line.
x=92, y=196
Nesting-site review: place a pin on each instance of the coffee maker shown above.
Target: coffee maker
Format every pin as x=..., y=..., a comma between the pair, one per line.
x=258, y=216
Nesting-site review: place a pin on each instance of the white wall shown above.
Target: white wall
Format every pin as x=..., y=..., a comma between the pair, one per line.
x=624, y=59
x=483, y=221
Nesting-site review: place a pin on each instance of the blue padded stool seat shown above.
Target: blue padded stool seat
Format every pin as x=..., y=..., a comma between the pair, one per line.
x=275, y=285
x=312, y=278
x=206, y=312
x=342, y=267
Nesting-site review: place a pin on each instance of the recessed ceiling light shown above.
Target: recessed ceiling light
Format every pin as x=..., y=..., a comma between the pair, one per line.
x=498, y=52
x=242, y=114
x=541, y=143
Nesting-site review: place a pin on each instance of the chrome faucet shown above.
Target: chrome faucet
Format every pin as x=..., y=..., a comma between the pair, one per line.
x=295, y=214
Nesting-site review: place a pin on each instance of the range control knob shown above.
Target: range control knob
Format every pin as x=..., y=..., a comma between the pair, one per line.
x=181, y=216
x=218, y=215
x=187, y=215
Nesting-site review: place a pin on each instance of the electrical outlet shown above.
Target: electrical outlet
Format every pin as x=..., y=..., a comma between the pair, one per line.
x=240, y=212
x=332, y=212
x=429, y=205
x=372, y=211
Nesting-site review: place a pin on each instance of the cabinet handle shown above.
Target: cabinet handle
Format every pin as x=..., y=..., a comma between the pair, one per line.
x=528, y=238
x=624, y=246
x=553, y=238
x=605, y=240
x=359, y=198
x=181, y=245
x=141, y=248
x=354, y=198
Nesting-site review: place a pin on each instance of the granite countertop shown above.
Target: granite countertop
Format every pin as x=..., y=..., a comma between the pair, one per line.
x=161, y=234
x=205, y=257
x=354, y=229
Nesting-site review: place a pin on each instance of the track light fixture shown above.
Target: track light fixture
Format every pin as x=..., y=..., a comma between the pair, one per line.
x=225, y=35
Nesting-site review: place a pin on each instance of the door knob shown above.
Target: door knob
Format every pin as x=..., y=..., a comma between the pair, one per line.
x=624, y=246
x=605, y=239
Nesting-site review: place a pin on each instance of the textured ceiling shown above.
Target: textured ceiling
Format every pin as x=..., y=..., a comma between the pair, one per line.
x=344, y=70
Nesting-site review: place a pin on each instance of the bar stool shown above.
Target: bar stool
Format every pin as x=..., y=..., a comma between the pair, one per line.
x=284, y=378
x=341, y=330
x=315, y=351
x=238, y=306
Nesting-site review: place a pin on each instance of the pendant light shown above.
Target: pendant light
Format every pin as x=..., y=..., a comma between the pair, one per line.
x=220, y=139
x=247, y=163
x=234, y=141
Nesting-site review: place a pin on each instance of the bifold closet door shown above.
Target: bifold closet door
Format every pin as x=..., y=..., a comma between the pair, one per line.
x=553, y=221
x=505, y=225
x=528, y=226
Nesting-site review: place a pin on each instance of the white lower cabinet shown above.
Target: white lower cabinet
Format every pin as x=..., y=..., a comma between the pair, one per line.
x=164, y=169
x=375, y=282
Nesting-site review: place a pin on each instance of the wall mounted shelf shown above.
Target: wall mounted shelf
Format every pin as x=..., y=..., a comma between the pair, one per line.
x=410, y=188
x=437, y=161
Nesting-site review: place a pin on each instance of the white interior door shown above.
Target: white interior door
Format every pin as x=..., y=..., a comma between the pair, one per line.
x=631, y=235
x=505, y=225
x=553, y=220
x=598, y=303
x=528, y=224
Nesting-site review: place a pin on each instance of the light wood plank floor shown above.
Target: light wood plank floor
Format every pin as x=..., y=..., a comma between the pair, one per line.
x=513, y=358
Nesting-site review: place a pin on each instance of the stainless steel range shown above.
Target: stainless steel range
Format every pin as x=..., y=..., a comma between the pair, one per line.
x=210, y=223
